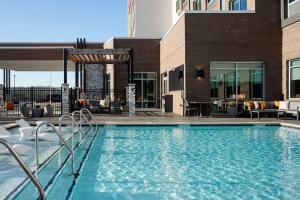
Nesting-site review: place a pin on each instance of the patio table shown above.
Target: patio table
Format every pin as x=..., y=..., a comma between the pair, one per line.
x=201, y=103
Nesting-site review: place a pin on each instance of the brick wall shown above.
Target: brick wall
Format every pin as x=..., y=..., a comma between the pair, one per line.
x=234, y=37
x=146, y=58
x=199, y=38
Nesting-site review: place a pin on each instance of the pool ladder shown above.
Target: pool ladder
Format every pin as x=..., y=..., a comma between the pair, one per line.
x=25, y=168
x=82, y=115
x=61, y=139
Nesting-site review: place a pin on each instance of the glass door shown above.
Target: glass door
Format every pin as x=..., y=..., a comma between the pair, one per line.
x=145, y=89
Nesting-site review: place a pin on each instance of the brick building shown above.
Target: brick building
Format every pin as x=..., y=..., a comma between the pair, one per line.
x=204, y=51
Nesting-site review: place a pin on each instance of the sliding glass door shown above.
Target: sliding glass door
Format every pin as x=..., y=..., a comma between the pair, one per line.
x=237, y=80
x=145, y=89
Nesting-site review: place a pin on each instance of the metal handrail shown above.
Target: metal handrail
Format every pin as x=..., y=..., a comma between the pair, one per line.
x=60, y=137
x=81, y=114
x=25, y=168
x=73, y=122
x=92, y=116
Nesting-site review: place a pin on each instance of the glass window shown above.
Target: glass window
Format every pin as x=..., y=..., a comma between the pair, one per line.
x=239, y=4
x=145, y=89
x=236, y=80
x=295, y=79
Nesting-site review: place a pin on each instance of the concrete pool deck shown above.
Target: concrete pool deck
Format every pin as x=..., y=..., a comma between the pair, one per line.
x=158, y=118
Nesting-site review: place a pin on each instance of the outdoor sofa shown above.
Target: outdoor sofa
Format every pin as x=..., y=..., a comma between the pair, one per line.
x=279, y=108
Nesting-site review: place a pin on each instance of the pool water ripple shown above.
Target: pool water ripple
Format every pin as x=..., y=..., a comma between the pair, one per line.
x=238, y=162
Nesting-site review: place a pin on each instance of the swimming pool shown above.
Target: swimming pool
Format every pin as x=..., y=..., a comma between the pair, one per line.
x=197, y=162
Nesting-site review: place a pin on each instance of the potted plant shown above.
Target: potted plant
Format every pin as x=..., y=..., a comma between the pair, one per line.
x=37, y=111
x=25, y=109
x=48, y=110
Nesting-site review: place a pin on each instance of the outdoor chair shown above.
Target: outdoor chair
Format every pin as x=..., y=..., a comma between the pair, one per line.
x=115, y=107
x=95, y=106
x=28, y=132
x=190, y=109
x=20, y=148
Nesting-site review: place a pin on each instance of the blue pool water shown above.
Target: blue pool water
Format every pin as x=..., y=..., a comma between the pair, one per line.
x=170, y=162
x=231, y=162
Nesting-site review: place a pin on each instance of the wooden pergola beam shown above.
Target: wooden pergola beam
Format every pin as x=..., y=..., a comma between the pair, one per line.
x=98, y=51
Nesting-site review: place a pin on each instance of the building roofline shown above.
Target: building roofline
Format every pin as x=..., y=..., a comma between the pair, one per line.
x=132, y=38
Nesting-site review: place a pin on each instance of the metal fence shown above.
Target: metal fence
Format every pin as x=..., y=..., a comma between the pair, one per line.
x=32, y=97
x=41, y=97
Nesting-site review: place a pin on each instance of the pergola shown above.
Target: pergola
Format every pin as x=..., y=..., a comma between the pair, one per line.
x=81, y=57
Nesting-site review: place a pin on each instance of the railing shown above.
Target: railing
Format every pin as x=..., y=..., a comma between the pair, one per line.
x=25, y=168
x=24, y=98
x=90, y=114
x=80, y=119
x=60, y=137
x=73, y=123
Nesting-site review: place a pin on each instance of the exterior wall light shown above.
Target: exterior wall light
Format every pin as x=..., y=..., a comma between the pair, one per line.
x=200, y=73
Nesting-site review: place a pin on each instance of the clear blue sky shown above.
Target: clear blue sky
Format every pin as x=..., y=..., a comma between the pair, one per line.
x=59, y=21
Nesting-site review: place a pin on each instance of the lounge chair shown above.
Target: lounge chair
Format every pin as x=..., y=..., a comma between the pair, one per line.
x=94, y=106
x=21, y=149
x=293, y=109
x=28, y=132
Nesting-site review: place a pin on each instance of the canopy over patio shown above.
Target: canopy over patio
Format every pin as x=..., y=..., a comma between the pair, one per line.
x=81, y=57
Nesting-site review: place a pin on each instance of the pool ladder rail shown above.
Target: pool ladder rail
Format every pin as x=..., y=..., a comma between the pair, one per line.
x=61, y=139
x=82, y=115
x=62, y=122
x=25, y=168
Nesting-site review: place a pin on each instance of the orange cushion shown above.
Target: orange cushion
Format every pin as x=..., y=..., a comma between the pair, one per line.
x=10, y=105
x=250, y=105
x=263, y=105
x=276, y=104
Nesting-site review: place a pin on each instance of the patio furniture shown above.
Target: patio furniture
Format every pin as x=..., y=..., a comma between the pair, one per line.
x=20, y=148
x=28, y=132
x=292, y=110
x=25, y=110
x=265, y=112
x=94, y=106
x=37, y=112
x=115, y=107
x=190, y=109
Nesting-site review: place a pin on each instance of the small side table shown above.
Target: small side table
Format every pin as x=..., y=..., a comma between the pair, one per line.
x=281, y=113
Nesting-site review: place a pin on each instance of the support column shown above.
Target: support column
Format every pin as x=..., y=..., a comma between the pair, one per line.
x=65, y=107
x=4, y=77
x=81, y=85
x=77, y=75
x=131, y=99
x=84, y=78
x=65, y=66
x=1, y=96
x=130, y=70
x=8, y=79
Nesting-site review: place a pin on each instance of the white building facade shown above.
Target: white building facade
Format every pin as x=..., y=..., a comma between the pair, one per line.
x=149, y=18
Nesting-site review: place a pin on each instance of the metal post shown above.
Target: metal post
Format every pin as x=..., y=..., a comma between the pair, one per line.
x=65, y=66
x=84, y=77
x=81, y=85
x=4, y=74
x=131, y=66
x=14, y=86
x=76, y=75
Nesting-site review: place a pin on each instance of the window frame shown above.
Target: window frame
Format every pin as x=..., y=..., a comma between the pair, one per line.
x=289, y=77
